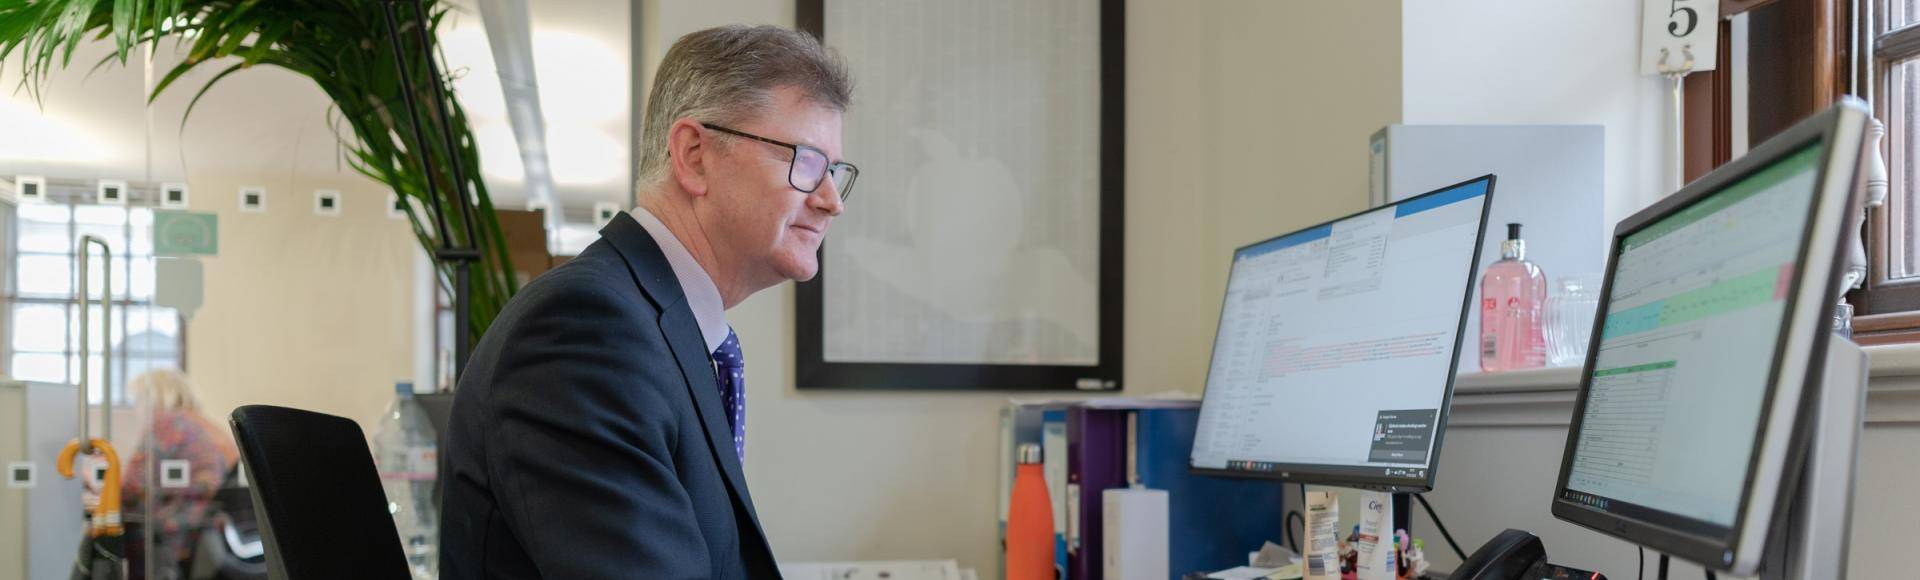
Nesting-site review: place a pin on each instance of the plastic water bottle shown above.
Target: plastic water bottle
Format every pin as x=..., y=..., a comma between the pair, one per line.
x=407, y=455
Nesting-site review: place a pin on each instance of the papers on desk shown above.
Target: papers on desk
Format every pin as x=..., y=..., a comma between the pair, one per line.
x=1288, y=572
x=1263, y=565
x=900, y=570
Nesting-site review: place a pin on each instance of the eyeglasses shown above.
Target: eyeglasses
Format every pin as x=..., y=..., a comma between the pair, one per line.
x=810, y=166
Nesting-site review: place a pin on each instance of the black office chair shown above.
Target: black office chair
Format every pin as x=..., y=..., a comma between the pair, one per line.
x=323, y=514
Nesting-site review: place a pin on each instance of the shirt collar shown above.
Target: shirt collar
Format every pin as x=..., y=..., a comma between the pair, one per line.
x=702, y=295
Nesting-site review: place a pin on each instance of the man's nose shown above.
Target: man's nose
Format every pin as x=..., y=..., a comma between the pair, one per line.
x=826, y=197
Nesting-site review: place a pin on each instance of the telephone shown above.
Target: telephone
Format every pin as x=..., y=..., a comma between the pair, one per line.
x=1516, y=555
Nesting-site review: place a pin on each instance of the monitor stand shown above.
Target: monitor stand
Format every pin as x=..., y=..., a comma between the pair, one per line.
x=1403, y=513
x=1809, y=536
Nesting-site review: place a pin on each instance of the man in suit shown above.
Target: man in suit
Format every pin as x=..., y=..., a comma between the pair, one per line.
x=599, y=429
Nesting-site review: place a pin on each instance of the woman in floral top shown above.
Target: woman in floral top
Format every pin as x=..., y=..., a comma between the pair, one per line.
x=177, y=515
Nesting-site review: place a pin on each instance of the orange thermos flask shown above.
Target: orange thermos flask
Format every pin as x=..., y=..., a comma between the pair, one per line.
x=1030, y=521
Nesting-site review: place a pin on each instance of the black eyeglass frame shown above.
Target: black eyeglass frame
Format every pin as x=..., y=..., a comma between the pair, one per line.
x=793, y=163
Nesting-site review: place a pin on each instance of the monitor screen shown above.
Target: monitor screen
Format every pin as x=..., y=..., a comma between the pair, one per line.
x=1694, y=317
x=1337, y=343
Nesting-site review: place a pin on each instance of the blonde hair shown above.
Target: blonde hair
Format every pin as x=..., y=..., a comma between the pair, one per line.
x=166, y=389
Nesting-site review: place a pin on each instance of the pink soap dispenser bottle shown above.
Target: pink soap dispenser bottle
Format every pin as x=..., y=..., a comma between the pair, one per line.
x=1513, y=294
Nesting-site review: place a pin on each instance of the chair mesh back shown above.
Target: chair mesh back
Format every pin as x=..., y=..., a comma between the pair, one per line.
x=324, y=514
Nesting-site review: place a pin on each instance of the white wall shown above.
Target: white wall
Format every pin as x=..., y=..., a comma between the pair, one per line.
x=1512, y=61
x=1237, y=129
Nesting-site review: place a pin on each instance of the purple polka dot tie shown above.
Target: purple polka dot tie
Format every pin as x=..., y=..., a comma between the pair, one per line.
x=730, y=367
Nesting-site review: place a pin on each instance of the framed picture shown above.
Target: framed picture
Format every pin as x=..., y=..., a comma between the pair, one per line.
x=983, y=248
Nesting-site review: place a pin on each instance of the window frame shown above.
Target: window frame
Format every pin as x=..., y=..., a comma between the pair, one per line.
x=1803, y=56
x=75, y=194
x=1888, y=307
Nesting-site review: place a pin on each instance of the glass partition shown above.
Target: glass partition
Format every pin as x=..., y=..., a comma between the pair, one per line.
x=251, y=263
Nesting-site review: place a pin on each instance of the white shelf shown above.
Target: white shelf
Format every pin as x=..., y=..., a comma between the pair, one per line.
x=1544, y=397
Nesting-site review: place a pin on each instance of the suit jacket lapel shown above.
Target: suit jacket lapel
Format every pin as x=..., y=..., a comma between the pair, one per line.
x=656, y=278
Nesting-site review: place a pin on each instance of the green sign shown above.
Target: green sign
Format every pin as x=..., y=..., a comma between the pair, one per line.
x=186, y=233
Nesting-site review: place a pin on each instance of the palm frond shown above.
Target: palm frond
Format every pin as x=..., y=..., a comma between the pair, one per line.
x=342, y=47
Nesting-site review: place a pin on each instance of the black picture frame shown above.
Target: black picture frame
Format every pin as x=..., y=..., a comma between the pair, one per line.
x=813, y=371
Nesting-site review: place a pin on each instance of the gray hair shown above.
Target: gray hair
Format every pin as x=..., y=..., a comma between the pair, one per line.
x=727, y=75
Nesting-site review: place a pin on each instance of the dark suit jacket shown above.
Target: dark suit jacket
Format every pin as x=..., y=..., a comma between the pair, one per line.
x=588, y=438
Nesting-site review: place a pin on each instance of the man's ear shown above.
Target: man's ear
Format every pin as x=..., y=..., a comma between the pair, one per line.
x=687, y=156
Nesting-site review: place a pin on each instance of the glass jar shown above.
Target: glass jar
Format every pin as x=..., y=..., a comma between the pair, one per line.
x=1569, y=319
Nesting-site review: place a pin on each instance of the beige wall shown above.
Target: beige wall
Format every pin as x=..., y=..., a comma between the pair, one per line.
x=1291, y=93
x=303, y=310
x=1241, y=125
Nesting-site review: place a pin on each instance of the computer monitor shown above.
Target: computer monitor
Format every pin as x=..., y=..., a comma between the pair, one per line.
x=1337, y=345
x=1714, y=322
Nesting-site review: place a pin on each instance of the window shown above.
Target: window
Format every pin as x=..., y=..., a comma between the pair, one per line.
x=1889, y=302
x=42, y=322
x=1802, y=56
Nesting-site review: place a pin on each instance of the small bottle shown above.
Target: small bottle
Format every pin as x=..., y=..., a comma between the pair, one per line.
x=1029, y=521
x=1513, y=294
x=407, y=456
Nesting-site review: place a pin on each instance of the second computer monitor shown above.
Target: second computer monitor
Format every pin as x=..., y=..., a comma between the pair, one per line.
x=1337, y=344
x=1717, y=310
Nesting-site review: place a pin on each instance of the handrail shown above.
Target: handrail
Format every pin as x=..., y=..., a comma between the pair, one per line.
x=81, y=295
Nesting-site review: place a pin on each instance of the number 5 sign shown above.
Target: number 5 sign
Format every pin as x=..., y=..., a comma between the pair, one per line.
x=1674, y=33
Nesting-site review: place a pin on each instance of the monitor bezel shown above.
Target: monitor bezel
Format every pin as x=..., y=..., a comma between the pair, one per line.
x=1807, y=323
x=1343, y=475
